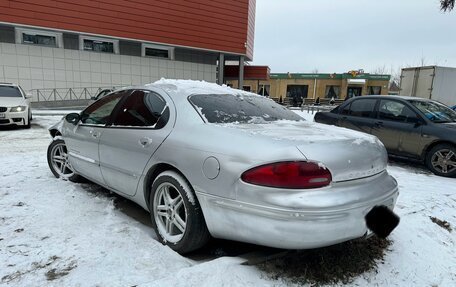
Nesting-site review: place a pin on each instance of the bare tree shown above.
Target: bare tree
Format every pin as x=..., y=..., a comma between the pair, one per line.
x=423, y=61
x=315, y=71
x=380, y=70
x=446, y=5
x=395, y=80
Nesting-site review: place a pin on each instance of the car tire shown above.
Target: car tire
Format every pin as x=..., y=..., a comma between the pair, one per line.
x=441, y=160
x=176, y=215
x=27, y=126
x=57, y=158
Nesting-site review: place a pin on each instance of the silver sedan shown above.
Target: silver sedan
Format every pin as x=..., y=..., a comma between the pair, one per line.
x=208, y=160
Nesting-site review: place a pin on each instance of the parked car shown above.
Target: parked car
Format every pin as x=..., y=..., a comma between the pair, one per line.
x=409, y=127
x=211, y=160
x=14, y=106
x=101, y=94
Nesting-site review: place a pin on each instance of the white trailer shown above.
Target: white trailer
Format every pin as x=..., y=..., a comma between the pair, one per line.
x=432, y=82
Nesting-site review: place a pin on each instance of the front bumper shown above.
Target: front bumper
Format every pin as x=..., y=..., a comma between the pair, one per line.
x=14, y=118
x=329, y=221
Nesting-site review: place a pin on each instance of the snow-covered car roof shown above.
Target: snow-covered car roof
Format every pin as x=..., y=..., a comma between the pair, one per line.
x=190, y=87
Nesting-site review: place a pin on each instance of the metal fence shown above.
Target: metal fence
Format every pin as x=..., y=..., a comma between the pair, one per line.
x=65, y=94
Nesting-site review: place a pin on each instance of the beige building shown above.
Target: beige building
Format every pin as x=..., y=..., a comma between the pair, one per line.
x=295, y=88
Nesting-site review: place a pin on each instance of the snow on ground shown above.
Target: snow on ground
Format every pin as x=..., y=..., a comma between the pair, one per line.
x=57, y=233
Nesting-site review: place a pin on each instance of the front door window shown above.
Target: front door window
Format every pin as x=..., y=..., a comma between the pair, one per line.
x=142, y=109
x=99, y=112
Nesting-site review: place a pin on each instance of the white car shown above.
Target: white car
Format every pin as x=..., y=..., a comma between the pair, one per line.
x=14, y=106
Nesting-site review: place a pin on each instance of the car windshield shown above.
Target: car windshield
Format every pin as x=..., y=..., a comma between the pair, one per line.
x=240, y=109
x=435, y=112
x=10, y=91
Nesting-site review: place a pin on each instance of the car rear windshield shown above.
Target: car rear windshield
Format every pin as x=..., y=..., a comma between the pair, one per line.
x=9, y=91
x=241, y=109
x=435, y=112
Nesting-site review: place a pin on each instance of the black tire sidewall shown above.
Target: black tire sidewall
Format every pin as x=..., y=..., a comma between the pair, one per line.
x=432, y=152
x=193, y=212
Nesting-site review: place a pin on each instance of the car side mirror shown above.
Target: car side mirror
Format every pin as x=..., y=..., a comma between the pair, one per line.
x=73, y=118
x=28, y=95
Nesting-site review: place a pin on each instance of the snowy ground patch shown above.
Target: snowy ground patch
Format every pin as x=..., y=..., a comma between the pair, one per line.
x=57, y=233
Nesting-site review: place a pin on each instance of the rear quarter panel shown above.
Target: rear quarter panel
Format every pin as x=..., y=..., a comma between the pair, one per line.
x=187, y=149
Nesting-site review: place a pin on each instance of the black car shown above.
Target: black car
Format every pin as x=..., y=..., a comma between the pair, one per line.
x=409, y=127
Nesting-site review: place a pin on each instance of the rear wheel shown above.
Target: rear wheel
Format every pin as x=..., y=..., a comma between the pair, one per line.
x=176, y=214
x=57, y=156
x=441, y=160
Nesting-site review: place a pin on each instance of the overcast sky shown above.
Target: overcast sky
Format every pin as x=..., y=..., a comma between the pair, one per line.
x=342, y=35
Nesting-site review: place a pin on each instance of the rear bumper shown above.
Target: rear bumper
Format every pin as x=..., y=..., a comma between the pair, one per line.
x=297, y=228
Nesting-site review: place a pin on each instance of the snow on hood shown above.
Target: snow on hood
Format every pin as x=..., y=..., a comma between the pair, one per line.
x=188, y=87
x=12, y=101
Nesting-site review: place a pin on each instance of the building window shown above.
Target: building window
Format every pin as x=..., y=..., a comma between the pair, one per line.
x=264, y=90
x=98, y=45
x=375, y=90
x=246, y=88
x=332, y=92
x=37, y=37
x=296, y=94
x=157, y=51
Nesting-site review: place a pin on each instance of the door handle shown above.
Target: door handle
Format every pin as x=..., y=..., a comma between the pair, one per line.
x=379, y=124
x=94, y=133
x=145, y=141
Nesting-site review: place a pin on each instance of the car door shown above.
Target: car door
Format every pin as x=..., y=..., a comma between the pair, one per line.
x=359, y=115
x=82, y=140
x=140, y=125
x=399, y=128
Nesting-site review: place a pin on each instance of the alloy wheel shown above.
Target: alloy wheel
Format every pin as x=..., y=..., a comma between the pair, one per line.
x=170, y=212
x=60, y=163
x=444, y=161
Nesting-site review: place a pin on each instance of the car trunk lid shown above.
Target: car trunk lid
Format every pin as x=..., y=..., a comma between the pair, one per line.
x=347, y=154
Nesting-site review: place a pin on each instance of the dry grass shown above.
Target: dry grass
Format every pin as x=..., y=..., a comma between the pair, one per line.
x=335, y=264
x=442, y=223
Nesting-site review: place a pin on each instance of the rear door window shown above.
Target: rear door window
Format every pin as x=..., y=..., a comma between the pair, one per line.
x=363, y=108
x=142, y=109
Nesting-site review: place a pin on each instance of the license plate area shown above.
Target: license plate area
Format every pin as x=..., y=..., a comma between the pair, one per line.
x=381, y=221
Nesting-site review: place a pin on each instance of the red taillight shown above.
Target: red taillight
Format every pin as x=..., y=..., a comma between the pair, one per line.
x=293, y=175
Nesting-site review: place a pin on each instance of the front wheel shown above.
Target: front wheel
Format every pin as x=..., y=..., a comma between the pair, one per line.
x=176, y=214
x=57, y=156
x=27, y=126
x=441, y=160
